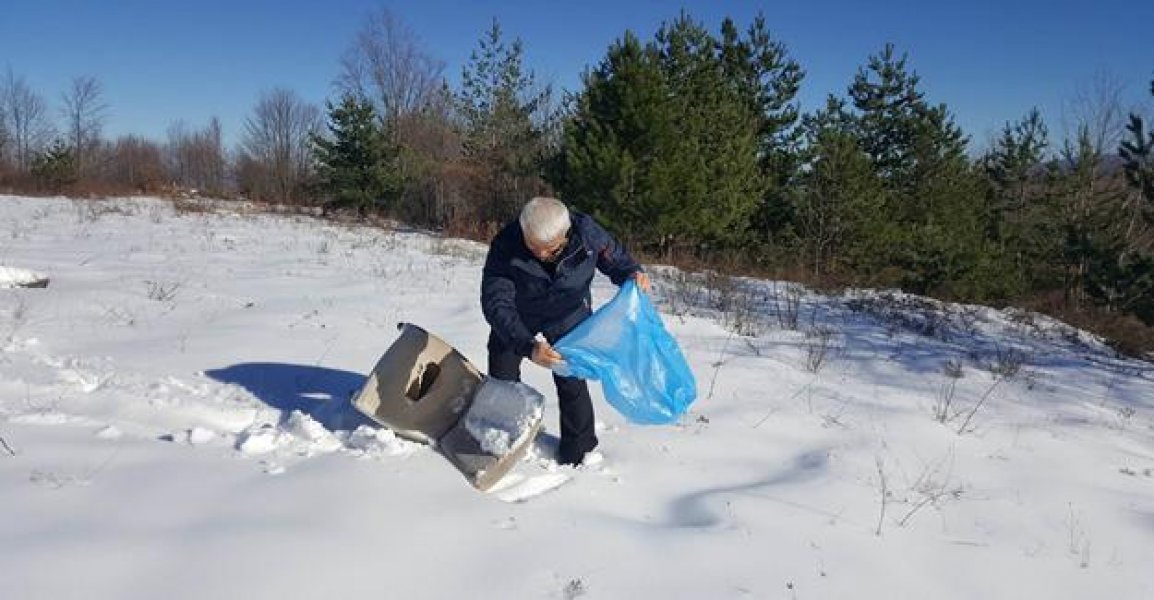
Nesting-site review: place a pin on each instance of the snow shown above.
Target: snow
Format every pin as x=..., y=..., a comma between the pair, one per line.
x=503, y=414
x=174, y=422
x=11, y=277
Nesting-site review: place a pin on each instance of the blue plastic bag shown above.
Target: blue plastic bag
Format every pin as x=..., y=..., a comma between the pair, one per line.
x=626, y=347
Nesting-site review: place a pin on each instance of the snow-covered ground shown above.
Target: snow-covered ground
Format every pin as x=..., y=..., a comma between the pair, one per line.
x=174, y=423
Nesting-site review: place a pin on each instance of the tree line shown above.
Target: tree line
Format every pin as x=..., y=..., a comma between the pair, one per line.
x=690, y=145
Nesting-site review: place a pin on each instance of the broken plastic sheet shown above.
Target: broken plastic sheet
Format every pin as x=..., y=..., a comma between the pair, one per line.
x=625, y=346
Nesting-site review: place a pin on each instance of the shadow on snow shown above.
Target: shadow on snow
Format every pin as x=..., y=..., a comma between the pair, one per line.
x=319, y=392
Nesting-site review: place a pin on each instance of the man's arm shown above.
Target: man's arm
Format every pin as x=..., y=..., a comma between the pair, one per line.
x=498, y=303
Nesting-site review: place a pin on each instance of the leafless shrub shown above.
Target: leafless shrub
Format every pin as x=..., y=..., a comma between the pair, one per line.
x=900, y=312
x=721, y=290
x=787, y=305
x=40, y=214
x=453, y=248
x=91, y=211
x=717, y=366
x=945, y=401
x=736, y=303
x=574, y=589
x=743, y=317
x=119, y=316
x=162, y=291
x=969, y=415
x=931, y=488
x=1007, y=361
x=1079, y=542
x=952, y=368
x=819, y=344
x=19, y=316
x=883, y=492
x=191, y=205
x=683, y=293
x=1126, y=416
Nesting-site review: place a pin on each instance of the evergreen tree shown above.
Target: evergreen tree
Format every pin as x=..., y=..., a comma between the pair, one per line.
x=620, y=130
x=890, y=108
x=355, y=162
x=769, y=79
x=1128, y=282
x=839, y=199
x=1138, y=160
x=1013, y=167
x=56, y=167
x=505, y=116
x=663, y=145
x=1020, y=222
x=1088, y=202
x=712, y=181
x=934, y=194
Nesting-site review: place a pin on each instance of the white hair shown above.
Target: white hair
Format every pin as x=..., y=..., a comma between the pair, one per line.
x=544, y=219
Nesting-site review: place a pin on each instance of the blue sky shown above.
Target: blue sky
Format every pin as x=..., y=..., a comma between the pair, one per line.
x=160, y=61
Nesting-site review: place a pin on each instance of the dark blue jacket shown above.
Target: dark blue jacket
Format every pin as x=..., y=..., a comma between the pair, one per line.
x=521, y=298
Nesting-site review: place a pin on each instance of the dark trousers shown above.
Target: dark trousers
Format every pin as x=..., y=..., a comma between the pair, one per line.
x=576, y=408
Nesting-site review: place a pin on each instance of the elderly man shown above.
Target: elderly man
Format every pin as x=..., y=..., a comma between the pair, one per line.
x=536, y=281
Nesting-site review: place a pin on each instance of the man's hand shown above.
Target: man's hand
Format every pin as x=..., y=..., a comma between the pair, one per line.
x=544, y=355
x=642, y=280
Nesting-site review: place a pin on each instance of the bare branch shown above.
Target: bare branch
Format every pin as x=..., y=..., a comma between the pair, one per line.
x=7, y=448
x=84, y=112
x=884, y=491
x=276, y=153
x=387, y=66
x=25, y=113
x=1096, y=108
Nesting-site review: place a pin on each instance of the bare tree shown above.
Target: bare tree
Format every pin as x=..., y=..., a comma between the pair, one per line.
x=386, y=65
x=4, y=139
x=276, y=146
x=84, y=113
x=196, y=158
x=25, y=113
x=137, y=163
x=1096, y=110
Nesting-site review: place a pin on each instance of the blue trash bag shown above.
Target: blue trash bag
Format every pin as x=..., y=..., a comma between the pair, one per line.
x=640, y=366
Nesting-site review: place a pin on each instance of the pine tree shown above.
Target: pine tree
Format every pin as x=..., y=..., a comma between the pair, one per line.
x=56, y=167
x=1138, y=160
x=663, y=145
x=1020, y=222
x=1088, y=202
x=1013, y=167
x=712, y=181
x=890, y=108
x=355, y=163
x=506, y=117
x=621, y=128
x=839, y=199
x=769, y=79
x=934, y=194
x=1128, y=282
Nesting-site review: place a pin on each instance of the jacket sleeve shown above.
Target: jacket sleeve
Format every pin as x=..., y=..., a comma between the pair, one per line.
x=612, y=258
x=499, y=303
